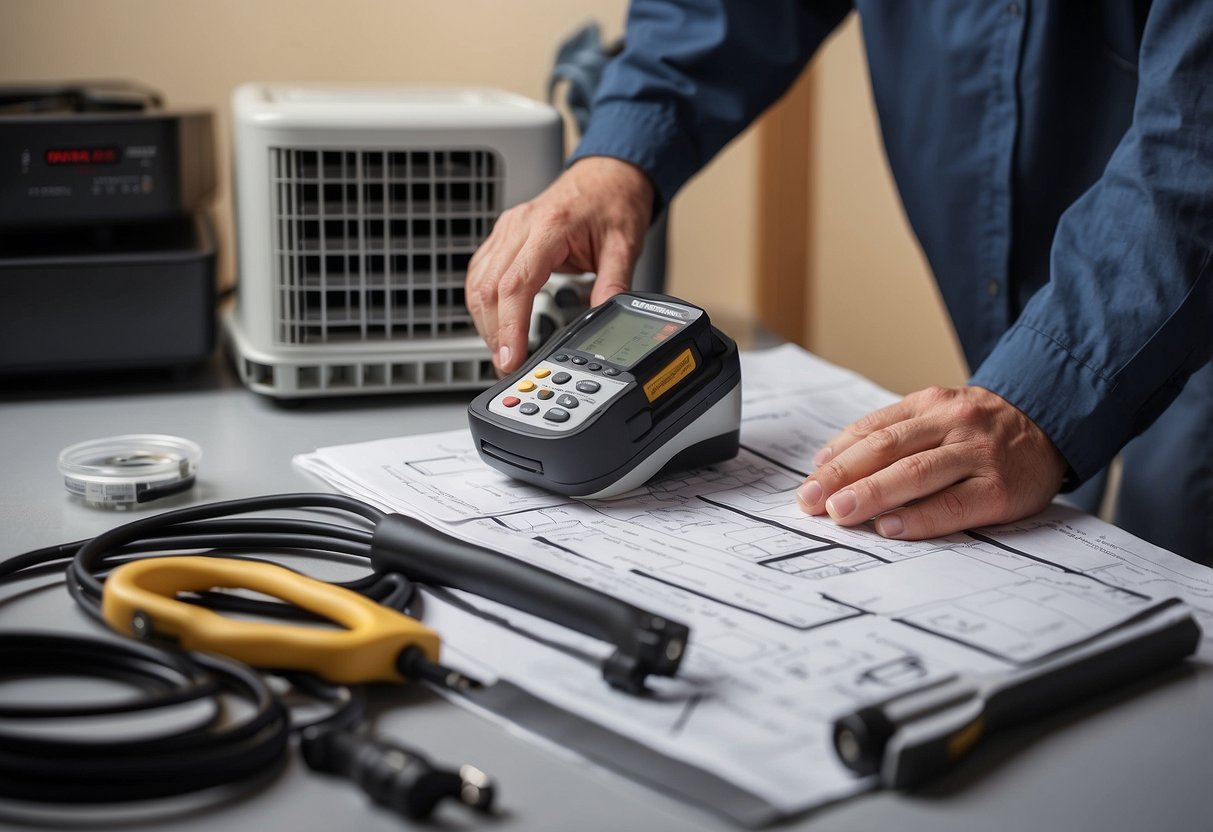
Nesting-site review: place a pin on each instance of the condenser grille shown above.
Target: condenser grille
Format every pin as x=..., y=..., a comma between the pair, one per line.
x=374, y=245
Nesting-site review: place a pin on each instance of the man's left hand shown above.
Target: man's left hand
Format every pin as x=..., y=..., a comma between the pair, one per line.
x=939, y=461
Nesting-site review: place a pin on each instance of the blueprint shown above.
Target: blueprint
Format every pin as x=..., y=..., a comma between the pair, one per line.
x=795, y=620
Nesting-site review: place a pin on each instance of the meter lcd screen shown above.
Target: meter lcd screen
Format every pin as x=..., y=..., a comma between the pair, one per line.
x=626, y=337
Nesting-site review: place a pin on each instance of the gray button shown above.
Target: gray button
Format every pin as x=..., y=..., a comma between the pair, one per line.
x=528, y=409
x=568, y=401
x=577, y=359
x=561, y=378
x=594, y=366
x=556, y=415
x=611, y=371
x=588, y=386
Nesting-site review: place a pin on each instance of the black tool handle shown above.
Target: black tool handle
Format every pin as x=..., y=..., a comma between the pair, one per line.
x=646, y=643
x=916, y=736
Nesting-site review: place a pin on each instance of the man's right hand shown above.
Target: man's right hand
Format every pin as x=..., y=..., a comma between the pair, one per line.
x=593, y=218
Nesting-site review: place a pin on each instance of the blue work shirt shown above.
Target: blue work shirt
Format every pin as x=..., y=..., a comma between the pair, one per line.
x=1055, y=160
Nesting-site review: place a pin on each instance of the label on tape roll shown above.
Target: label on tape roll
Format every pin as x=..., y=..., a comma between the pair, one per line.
x=119, y=472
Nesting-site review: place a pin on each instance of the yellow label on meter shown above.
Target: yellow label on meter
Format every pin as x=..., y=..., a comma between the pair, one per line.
x=671, y=374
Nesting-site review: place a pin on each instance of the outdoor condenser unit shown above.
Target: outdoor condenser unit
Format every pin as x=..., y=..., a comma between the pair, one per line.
x=358, y=210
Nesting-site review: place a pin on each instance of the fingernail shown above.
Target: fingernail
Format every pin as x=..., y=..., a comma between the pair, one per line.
x=809, y=493
x=889, y=526
x=823, y=456
x=503, y=356
x=842, y=504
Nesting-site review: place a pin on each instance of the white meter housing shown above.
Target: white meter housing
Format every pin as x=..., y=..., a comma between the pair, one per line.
x=358, y=209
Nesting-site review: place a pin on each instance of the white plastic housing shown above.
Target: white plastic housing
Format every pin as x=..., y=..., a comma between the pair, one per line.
x=357, y=210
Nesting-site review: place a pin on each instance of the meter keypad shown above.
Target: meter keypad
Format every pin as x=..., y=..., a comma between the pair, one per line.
x=575, y=393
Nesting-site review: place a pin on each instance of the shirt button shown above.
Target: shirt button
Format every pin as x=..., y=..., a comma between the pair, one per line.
x=992, y=288
x=1014, y=8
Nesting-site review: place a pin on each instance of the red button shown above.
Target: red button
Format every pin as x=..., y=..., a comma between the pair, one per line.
x=511, y=401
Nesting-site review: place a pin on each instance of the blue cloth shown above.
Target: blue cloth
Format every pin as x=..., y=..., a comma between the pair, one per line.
x=1055, y=160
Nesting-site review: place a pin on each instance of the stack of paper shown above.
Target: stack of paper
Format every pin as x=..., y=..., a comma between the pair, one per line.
x=794, y=620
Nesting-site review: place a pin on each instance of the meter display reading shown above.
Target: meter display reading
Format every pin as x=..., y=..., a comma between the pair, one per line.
x=626, y=337
x=637, y=386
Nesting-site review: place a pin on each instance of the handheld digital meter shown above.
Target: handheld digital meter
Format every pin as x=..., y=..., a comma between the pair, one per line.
x=639, y=385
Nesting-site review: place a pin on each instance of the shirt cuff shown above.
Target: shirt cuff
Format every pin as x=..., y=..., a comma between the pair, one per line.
x=1074, y=405
x=648, y=135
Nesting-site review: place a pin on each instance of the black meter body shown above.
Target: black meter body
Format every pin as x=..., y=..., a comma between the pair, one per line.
x=638, y=385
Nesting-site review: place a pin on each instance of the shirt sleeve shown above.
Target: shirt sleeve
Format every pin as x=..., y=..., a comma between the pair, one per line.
x=1127, y=315
x=693, y=74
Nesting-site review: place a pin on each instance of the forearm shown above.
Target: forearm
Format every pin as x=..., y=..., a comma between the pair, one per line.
x=1127, y=314
x=694, y=74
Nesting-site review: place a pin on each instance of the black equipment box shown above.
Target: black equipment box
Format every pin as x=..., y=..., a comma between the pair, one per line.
x=107, y=259
x=100, y=154
x=110, y=298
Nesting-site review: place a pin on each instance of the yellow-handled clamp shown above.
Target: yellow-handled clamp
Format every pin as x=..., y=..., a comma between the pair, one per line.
x=141, y=597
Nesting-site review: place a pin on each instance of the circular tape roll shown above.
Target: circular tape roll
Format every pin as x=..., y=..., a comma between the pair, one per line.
x=119, y=472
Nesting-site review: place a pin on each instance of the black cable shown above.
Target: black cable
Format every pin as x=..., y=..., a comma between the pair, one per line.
x=200, y=756
x=61, y=767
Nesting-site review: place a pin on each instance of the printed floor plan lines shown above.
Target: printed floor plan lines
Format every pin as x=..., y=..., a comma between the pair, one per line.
x=794, y=620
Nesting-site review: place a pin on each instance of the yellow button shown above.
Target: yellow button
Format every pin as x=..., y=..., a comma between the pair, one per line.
x=543, y=372
x=526, y=386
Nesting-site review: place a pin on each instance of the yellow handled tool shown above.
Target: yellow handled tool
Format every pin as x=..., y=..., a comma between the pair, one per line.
x=376, y=644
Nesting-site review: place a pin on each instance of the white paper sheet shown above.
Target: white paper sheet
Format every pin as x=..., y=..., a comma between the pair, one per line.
x=794, y=620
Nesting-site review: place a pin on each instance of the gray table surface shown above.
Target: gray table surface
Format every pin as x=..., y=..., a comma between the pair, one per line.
x=1134, y=760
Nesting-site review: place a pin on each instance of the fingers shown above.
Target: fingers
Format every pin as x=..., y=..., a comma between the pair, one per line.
x=937, y=462
x=965, y=505
x=615, y=265
x=516, y=292
x=855, y=494
x=862, y=428
x=592, y=219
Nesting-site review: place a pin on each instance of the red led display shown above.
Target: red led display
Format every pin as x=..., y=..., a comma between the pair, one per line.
x=82, y=156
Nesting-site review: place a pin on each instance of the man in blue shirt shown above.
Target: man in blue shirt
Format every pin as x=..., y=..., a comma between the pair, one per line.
x=1055, y=160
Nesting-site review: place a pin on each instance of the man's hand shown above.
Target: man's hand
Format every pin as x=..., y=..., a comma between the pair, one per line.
x=936, y=462
x=593, y=218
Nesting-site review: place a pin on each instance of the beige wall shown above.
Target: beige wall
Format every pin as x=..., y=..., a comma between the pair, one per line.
x=873, y=305
x=197, y=51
